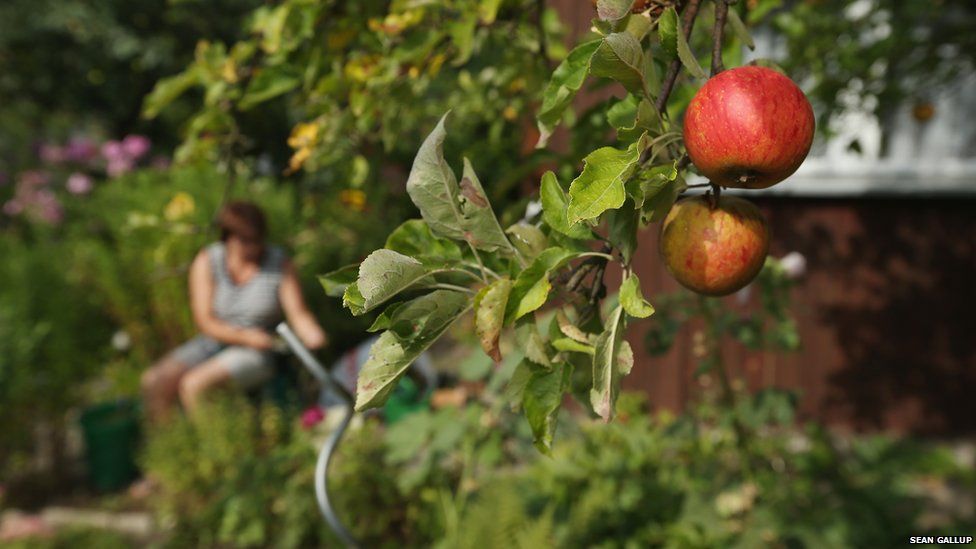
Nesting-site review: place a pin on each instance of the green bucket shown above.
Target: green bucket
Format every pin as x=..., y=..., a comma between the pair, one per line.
x=406, y=399
x=111, y=434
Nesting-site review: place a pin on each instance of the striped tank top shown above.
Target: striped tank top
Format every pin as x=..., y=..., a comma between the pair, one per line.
x=255, y=303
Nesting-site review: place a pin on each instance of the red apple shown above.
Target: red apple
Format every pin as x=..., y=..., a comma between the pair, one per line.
x=749, y=128
x=714, y=251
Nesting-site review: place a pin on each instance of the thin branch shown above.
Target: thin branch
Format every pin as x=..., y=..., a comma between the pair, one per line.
x=481, y=264
x=691, y=11
x=721, y=12
x=480, y=267
x=540, y=6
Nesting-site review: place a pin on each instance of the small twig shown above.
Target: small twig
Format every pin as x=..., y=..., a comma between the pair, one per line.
x=691, y=11
x=455, y=287
x=721, y=12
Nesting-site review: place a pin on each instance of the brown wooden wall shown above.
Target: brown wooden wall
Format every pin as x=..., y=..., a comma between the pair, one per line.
x=886, y=312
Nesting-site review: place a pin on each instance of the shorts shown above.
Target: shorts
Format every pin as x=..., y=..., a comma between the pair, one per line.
x=248, y=367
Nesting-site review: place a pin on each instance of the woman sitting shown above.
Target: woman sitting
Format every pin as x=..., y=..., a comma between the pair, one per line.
x=240, y=288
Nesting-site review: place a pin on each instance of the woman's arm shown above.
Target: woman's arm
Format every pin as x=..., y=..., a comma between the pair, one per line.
x=297, y=313
x=201, y=303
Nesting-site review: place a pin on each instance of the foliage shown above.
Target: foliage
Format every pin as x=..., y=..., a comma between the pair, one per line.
x=73, y=66
x=453, y=477
x=504, y=275
x=358, y=83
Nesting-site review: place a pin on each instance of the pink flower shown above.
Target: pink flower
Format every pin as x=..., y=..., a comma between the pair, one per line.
x=13, y=207
x=34, y=178
x=112, y=150
x=79, y=183
x=51, y=154
x=80, y=150
x=119, y=166
x=46, y=207
x=160, y=162
x=135, y=146
x=312, y=417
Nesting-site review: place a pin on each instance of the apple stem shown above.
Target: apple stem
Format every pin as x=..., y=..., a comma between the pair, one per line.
x=714, y=194
x=721, y=12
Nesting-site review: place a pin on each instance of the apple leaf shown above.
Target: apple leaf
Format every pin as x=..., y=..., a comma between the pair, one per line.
x=688, y=58
x=542, y=398
x=632, y=116
x=385, y=273
x=554, y=206
x=606, y=368
x=515, y=390
x=567, y=328
x=353, y=300
x=565, y=83
x=423, y=319
x=632, y=300
x=621, y=58
x=334, y=283
x=414, y=238
x=530, y=341
x=529, y=240
x=600, y=187
x=740, y=30
x=459, y=212
x=270, y=82
x=613, y=10
x=622, y=229
x=657, y=206
x=572, y=346
x=489, y=313
x=531, y=288
x=667, y=32
x=478, y=220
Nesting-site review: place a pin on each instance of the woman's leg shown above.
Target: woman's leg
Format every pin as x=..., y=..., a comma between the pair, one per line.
x=199, y=381
x=243, y=367
x=160, y=384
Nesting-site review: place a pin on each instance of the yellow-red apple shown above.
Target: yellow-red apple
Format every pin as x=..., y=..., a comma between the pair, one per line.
x=748, y=127
x=714, y=250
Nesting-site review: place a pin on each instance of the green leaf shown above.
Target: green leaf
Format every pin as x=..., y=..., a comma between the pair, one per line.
x=543, y=396
x=335, y=282
x=478, y=220
x=531, y=343
x=622, y=226
x=651, y=181
x=270, y=82
x=632, y=300
x=462, y=35
x=529, y=240
x=460, y=212
x=353, y=300
x=562, y=88
x=489, y=314
x=632, y=116
x=385, y=319
x=572, y=346
x=621, y=58
x=625, y=358
x=657, y=206
x=433, y=187
x=515, y=389
x=601, y=185
x=613, y=10
x=638, y=25
x=567, y=328
x=167, y=90
x=487, y=10
x=385, y=273
x=606, y=374
x=554, y=206
x=531, y=288
x=688, y=58
x=740, y=30
x=428, y=317
x=667, y=32
x=414, y=238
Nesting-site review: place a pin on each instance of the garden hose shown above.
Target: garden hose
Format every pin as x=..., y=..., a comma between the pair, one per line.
x=325, y=378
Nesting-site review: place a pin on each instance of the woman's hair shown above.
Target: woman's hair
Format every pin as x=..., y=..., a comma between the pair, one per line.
x=242, y=219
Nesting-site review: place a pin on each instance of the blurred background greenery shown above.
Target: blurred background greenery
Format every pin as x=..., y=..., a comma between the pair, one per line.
x=127, y=124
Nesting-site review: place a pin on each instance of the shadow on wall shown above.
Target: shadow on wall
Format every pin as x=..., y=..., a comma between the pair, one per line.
x=892, y=308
